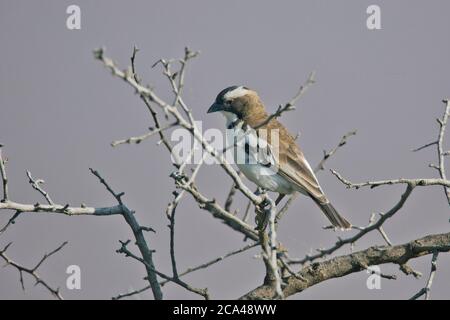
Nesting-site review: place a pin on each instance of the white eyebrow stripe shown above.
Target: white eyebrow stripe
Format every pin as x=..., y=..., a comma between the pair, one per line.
x=236, y=93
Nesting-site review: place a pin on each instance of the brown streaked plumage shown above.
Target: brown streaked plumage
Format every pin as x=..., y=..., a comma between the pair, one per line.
x=293, y=172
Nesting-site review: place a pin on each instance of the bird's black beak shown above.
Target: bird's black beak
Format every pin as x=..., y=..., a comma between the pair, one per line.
x=215, y=107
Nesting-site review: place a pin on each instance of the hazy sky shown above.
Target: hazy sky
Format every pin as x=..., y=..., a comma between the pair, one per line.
x=60, y=109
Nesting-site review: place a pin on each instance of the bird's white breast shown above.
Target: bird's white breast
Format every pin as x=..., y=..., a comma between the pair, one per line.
x=266, y=178
x=259, y=170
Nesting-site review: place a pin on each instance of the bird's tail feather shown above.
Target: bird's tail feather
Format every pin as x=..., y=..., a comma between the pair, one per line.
x=335, y=218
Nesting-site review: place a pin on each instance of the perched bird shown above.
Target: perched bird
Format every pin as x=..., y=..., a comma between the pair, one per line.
x=284, y=170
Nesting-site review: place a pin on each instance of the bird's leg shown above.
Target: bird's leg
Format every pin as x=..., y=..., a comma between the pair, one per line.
x=259, y=214
x=259, y=191
x=280, y=197
x=261, y=218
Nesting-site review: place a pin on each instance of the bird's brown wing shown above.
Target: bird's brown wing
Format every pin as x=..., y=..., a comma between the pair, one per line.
x=294, y=167
x=292, y=164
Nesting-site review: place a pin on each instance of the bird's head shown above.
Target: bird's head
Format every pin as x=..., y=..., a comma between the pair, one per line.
x=237, y=101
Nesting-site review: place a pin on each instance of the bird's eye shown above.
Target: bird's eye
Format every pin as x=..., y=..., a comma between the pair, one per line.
x=228, y=102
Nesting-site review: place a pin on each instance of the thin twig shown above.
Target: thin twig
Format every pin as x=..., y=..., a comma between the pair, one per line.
x=3, y=176
x=440, y=148
x=320, y=166
x=328, y=154
x=343, y=265
x=214, y=261
x=231, y=194
x=33, y=271
x=289, y=105
x=424, y=146
x=427, y=290
x=384, y=235
x=147, y=254
x=363, y=231
x=190, y=270
x=62, y=209
x=130, y=294
x=269, y=246
x=411, y=184
x=286, y=206
x=247, y=211
x=171, y=212
x=172, y=110
x=374, y=184
x=11, y=221
x=123, y=249
x=36, y=184
x=139, y=139
x=99, y=55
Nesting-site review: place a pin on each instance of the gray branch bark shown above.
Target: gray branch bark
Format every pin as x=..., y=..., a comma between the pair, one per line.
x=341, y=266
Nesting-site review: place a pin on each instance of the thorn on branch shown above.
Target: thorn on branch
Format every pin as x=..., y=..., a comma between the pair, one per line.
x=98, y=53
x=406, y=269
x=327, y=155
x=148, y=229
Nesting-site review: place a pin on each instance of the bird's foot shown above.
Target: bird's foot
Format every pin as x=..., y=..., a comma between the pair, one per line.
x=262, y=216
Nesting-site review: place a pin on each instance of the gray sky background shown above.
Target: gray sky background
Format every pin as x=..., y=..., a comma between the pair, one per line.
x=60, y=109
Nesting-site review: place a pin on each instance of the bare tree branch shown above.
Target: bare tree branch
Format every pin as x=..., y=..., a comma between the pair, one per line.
x=190, y=270
x=172, y=110
x=10, y=222
x=139, y=139
x=141, y=243
x=363, y=231
x=218, y=212
x=62, y=209
x=440, y=148
x=426, y=291
x=270, y=251
x=214, y=261
x=230, y=196
x=123, y=249
x=131, y=293
x=343, y=265
x=33, y=271
x=374, y=184
x=424, y=146
x=3, y=176
x=328, y=154
x=281, y=280
x=83, y=210
x=320, y=166
x=36, y=184
x=147, y=103
x=289, y=106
